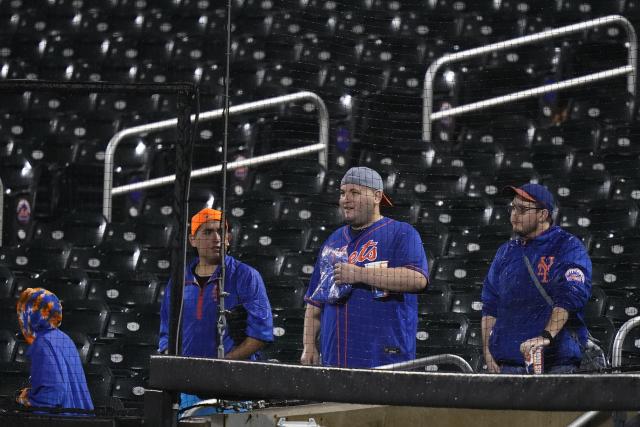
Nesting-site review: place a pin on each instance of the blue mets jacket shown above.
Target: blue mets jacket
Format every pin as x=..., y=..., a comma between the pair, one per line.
x=366, y=331
x=57, y=378
x=200, y=312
x=560, y=261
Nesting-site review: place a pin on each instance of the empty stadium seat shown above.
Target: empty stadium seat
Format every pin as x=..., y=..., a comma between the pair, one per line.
x=456, y=212
x=123, y=354
x=442, y=330
x=89, y=317
x=124, y=289
x=282, y=298
x=7, y=346
x=68, y=284
x=82, y=229
x=468, y=302
x=460, y=272
x=139, y=323
x=436, y=298
x=318, y=210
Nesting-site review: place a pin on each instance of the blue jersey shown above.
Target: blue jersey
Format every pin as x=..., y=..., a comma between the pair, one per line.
x=364, y=330
x=57, y=378
x=563, y=268
x=200, y=309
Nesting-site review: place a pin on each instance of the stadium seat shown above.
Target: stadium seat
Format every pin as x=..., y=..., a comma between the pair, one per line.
x=434, y=183
x=7, y=346
x=122, y=354
x=154, y=261
x=124, y=289
x=318, y=235
x=100, y=383
x=139, y=323
x=604, y=331
x=130, y=389
x=580, y=187
x=436, y=298
x=580, y=136
x=469, y=303
x=460, y=272
x=456, y=212
x=15, y=376
x=282, y=298
x=434, y=238
x=7, y=280
x=146, y=234
x=625, y=189
x=89, y=317
x=612, y=215
x=288, y=327
x=82, y=229
x=256, y=207
x=299, y=265
x=316, y=210
x=621, y=308
x=301, y=177
x=106, y=258
x=442, y=330
x=289, y=237
x=619, y=246
x=596, y=304
x=268, y=264
x=69, y=284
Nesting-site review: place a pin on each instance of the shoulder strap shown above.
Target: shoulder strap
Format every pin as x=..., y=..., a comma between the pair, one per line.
x=544, y=293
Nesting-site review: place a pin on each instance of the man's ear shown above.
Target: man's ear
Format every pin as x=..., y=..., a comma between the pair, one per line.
x=377, y=196
x=192, y=240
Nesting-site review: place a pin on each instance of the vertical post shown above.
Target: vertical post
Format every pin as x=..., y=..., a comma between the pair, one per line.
x=184, y=151
x=1, y=209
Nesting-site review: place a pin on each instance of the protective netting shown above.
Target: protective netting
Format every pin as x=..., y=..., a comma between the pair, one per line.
x=83, y=270
x=367, y=61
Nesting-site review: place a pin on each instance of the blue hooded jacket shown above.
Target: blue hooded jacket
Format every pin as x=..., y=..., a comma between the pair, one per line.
x=560, y=261
x=57, y=378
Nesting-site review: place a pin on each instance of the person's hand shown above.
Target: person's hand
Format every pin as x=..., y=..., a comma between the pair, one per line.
x=532, y=343
x=310, y=356
x=346, y=273
x=23, y=397
x=492, y=366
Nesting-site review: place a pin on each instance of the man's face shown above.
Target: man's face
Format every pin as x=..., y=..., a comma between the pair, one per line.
x=207, y=241
x=358, y=203
x=525, y=216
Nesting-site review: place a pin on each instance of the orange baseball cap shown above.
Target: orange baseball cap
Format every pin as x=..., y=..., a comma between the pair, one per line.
x=205, y=215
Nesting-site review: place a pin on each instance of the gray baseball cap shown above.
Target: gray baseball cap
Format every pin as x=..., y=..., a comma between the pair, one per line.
x=366, y=177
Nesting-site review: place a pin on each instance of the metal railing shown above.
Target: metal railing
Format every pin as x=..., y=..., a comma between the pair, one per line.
x=321, y=147
x=616, y=353
x=428, y=116
x=430, y=360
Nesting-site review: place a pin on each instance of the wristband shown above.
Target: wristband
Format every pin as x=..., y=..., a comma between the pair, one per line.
x=546, y=334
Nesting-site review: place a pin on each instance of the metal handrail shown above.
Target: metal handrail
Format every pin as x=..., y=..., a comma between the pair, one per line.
x=616, y=353
x=430, y=360
x=427, y=111
x=322, y=147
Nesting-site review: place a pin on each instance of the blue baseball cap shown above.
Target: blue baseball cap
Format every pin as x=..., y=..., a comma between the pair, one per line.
x=366, y=177
x=534, y=193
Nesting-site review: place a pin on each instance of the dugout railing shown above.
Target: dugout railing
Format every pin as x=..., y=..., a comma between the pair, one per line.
x=428, y=116
x=321, y=147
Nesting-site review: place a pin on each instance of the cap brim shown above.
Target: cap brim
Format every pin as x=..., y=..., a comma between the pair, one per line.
x=386, y=201
x=511, y=190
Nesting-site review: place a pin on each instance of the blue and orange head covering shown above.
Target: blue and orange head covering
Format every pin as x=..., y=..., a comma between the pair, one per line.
x=38, y=310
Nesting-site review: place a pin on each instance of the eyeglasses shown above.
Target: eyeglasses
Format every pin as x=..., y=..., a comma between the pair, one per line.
x=521, y=210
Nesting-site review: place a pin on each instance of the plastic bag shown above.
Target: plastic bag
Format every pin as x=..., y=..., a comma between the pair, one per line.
x=327, y=290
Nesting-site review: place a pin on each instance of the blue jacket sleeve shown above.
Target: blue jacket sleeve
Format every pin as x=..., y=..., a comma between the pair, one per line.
x=571, y=285
x=254, y=299
x=490, y=287
x=47, y=383
x=163, y=343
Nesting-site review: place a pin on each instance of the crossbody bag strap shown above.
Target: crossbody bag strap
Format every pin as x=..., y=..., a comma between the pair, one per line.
x=544, y=293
